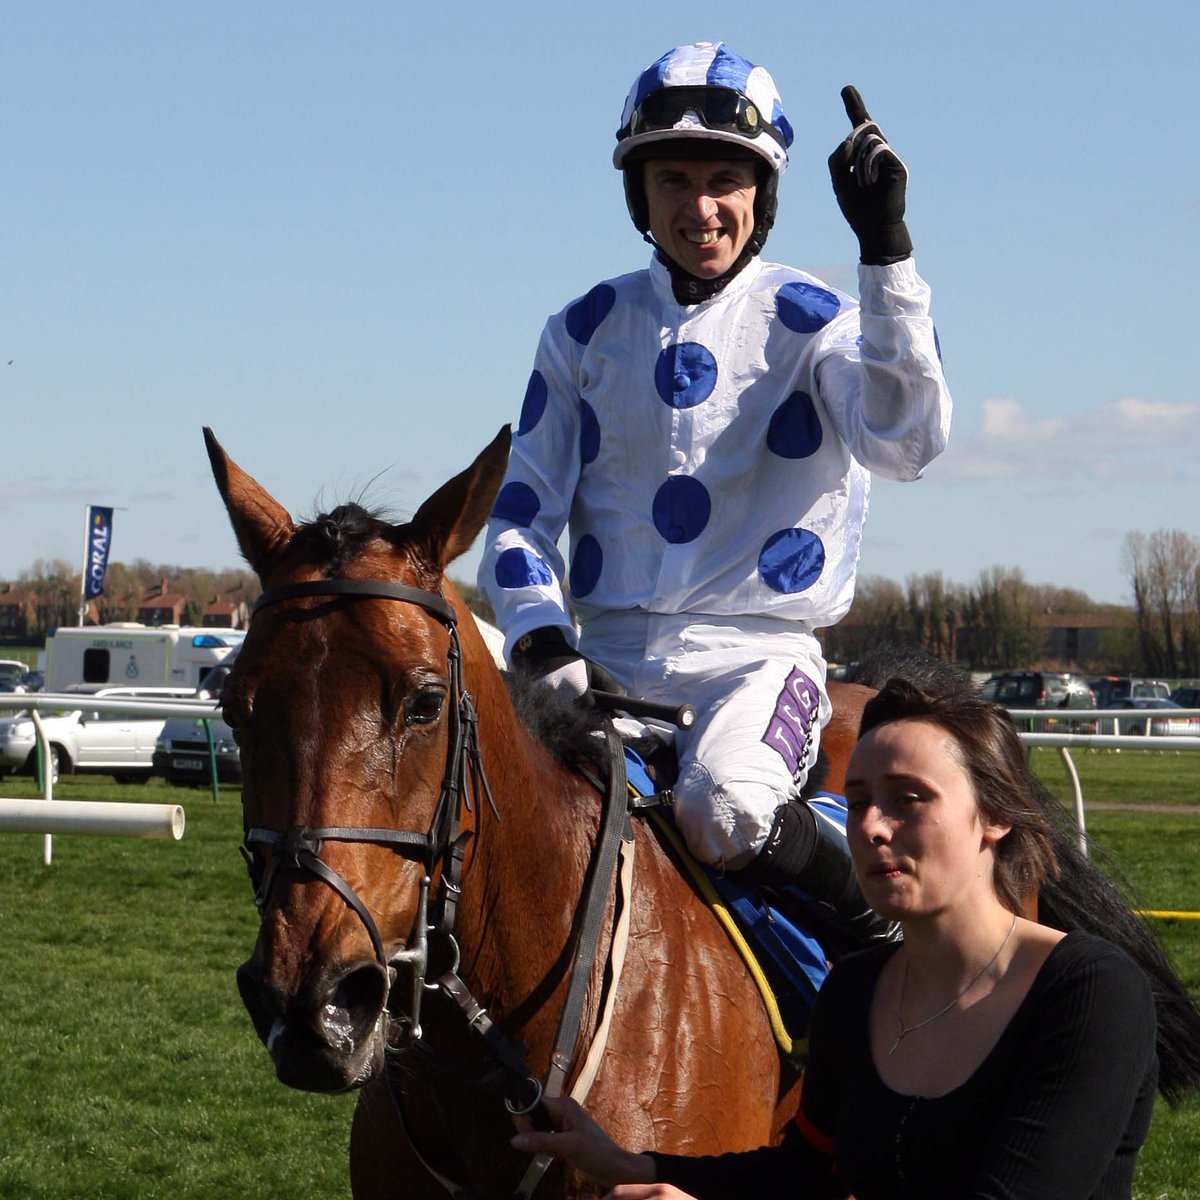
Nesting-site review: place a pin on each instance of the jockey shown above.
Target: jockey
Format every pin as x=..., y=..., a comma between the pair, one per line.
x=707, y=428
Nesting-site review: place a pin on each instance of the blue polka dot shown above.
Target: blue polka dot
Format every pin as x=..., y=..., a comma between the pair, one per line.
x=589, y=432
x=518, y=503
x=681, y=509
x=791, y=560
x=517, y=567
x=805, y=307
x=685, y=374
x=586, y=566
x=795, y=428
x=534, y=403
x=584, y=316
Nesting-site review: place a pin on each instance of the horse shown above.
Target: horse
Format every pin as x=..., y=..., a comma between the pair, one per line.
x=384, y=761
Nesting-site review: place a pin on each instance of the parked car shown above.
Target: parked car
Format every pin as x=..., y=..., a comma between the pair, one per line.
x=1156, y=726
x=181, y=753
x=1110, y=688
x=1043, y=689
x=87, y=740
x=1186, y=697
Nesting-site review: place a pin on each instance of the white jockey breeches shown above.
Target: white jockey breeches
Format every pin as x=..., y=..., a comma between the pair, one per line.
x=758, y=687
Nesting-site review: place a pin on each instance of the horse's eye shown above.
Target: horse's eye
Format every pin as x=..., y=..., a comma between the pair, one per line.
x=424, y=706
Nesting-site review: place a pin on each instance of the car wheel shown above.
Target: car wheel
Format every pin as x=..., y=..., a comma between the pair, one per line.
x=60, y=764
x=133, y=777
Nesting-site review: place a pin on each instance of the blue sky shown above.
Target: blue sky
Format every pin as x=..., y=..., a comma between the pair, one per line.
x=333, y=234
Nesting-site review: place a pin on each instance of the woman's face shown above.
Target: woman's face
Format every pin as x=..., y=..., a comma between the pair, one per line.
x=919, y=842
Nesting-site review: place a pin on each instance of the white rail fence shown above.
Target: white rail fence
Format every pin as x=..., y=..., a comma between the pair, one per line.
x=49, y=816
x=1066, y=739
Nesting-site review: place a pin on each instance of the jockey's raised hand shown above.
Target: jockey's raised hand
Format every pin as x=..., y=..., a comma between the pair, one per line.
x=869, y=181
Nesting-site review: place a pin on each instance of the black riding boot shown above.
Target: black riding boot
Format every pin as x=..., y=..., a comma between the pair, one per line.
x=805, y=850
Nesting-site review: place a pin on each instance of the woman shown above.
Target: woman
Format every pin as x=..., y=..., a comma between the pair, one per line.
x=986, y=1055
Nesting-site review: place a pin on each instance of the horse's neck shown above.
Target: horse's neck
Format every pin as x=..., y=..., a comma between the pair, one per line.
x=525, y=870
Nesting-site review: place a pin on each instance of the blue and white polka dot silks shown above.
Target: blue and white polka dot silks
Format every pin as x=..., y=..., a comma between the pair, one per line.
x=712, y=459
x=710, y=64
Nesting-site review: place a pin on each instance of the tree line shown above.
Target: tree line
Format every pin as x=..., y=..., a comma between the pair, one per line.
x=999, y=620
x=1002, y=620
x=53, y=587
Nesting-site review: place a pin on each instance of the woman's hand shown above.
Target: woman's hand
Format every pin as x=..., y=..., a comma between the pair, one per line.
x=647, y=1191
x=578, y=1139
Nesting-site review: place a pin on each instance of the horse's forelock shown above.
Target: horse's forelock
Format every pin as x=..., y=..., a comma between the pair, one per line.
x=331, y=540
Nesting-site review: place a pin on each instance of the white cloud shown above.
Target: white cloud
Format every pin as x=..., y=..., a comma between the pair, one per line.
x=1105, y=443
x=1007, y=421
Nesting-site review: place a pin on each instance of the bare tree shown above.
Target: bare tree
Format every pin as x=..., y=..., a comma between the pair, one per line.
x=1163, y=568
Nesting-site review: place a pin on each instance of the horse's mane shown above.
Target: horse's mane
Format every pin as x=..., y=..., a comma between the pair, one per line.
x=570, y=733
x=918, y=667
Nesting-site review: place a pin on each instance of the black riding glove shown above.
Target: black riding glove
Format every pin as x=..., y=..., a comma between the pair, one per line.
x=869, y=181
x=547, y=654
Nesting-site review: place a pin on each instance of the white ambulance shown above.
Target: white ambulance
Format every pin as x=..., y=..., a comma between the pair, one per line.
x=134, y=655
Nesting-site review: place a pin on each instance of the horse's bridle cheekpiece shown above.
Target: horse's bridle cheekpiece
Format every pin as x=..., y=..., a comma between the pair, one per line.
x=299, y=848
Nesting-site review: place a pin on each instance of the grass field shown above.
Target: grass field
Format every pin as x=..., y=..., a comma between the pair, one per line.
x=131, y=1071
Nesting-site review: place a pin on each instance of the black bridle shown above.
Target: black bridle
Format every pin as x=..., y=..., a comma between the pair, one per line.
x=298, y=848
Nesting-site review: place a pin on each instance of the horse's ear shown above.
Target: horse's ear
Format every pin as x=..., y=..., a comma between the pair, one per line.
x=446, y=524
x=261, y=524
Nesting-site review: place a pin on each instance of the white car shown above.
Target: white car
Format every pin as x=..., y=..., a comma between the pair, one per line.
x=87, y=740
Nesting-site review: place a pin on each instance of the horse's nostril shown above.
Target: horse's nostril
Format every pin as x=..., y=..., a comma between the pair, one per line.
x=353, y=1005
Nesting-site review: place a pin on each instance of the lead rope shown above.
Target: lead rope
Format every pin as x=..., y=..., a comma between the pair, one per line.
x=614, y=819
x=541, y=1163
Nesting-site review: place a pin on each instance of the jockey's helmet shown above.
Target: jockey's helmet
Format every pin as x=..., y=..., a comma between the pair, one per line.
x=703, y=100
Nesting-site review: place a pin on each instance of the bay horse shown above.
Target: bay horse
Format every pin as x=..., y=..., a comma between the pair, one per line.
x=341, y=706
x=365, y=702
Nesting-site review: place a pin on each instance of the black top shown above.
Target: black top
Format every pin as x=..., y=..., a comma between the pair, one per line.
x=1058, y=1109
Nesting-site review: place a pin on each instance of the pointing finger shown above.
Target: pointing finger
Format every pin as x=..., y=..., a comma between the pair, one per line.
x=856, y=110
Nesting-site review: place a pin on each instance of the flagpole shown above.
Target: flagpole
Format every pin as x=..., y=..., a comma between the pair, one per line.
x=87, y=512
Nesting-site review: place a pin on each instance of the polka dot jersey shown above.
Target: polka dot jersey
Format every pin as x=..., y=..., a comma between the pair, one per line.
x=713, y=458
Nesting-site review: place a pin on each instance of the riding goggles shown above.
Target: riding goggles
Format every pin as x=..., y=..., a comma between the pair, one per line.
x=721, y=109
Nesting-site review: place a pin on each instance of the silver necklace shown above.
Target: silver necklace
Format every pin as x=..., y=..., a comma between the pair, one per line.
x=904, y=1030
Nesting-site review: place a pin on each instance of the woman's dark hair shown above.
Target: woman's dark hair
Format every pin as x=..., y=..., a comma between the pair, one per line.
x=990, y=752
x=1076, y=889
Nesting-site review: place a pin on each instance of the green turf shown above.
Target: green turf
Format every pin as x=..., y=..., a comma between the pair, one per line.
x=132, y=1072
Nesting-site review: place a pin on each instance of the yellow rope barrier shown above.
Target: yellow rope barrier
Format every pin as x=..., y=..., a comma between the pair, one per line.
x=713, y=899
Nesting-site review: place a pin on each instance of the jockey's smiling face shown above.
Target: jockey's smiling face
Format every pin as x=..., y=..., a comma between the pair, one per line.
x=701, y=212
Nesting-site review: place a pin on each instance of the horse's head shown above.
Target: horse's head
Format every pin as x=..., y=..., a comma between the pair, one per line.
x=347, y=705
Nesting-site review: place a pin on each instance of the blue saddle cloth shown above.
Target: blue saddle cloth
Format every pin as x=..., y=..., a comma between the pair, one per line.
x=790, y=954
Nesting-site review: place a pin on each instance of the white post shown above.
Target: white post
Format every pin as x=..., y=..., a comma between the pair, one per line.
x=46, y=755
